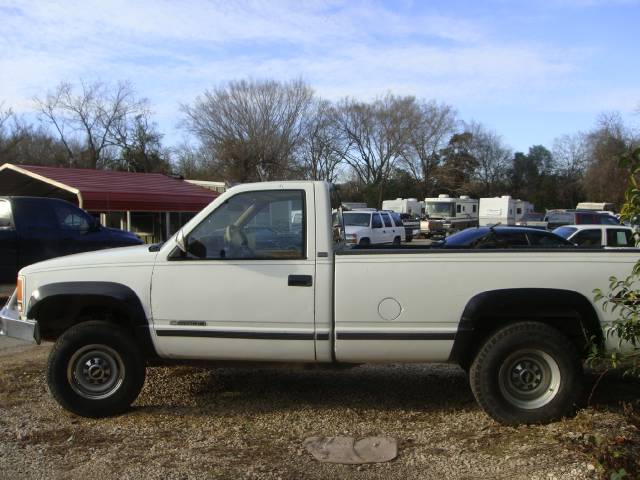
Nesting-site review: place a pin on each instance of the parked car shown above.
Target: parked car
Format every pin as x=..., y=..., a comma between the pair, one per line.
x=532, y=220
x=411, y=226
x=518, y=321
x=366, y=227
x=503, y=237
x=33, y=229
x=608, y=236
x=558, y=218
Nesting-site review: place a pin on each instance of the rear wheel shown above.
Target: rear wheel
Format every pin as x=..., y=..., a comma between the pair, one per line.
x=527, y=372
x=397, y=241
x=95, y=369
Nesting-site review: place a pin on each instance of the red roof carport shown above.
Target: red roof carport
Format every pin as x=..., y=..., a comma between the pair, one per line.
x=105, y=190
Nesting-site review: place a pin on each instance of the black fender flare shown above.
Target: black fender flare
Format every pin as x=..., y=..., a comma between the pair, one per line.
x=63, y=301
x=569, y=311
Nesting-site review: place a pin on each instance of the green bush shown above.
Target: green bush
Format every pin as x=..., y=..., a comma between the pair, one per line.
x=623, y=295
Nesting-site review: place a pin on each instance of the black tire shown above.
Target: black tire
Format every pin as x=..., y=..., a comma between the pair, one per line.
x=364, y=242
x=95, y=369
x=527, y=372
x=397, y=241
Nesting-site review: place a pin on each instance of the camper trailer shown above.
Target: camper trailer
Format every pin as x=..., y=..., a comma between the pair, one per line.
x=503, y=210
x=404, y=205
x=446, y=214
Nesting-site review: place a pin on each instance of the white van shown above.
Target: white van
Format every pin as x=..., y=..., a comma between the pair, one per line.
x=371, y=228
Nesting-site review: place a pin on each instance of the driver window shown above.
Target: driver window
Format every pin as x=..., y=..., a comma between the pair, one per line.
x=263, y=225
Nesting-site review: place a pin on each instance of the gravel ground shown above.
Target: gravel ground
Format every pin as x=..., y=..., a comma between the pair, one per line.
x=250, y=423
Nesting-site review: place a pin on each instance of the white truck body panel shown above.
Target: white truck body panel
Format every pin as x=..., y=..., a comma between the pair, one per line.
x=416, y=281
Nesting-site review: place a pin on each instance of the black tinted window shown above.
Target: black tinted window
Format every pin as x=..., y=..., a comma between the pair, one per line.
x=544, y=239
x=512, y=239
x=588, y=238
x=387, y=220
x=609, y=220
x=619, y=238
x=5, y=213
x=34, y=214
x=375, y=221
x=70, y=218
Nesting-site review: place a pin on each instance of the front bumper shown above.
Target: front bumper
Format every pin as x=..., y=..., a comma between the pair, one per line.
x=12, y=326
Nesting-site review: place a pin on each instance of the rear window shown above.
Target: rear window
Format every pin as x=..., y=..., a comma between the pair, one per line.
x=387, y=220
x=396, y=219
x=620, y=238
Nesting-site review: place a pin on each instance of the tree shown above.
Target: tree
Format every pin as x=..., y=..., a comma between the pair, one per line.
x=90, y=116
x=570, y=153
x=605, y=177
x=253, y=128
x=322, y=150
x=492, y=159
x=22, y=143
x=532, y=176
x=376, y=135
x=458, y=165
x=433, y=126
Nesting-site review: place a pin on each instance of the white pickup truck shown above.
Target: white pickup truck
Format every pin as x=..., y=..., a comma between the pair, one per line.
x=243, y=282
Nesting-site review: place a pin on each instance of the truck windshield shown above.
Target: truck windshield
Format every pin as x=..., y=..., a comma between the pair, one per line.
x=440, y=209
x=356, y=219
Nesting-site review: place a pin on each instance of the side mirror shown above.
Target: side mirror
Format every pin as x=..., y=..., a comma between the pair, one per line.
x=181, y=241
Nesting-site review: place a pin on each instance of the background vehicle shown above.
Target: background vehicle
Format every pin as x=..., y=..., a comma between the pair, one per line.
x=503, y=210
x=409, y=206
x=532, y=220
x=558, y=218
x=518, y=320
x=364, y=228
x=411, y=226
x=611, y=236
x=34, y=229
x=503, y=237
x=445, y=215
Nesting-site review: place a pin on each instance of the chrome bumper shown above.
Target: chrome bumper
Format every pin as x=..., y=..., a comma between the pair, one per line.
x=12, y=326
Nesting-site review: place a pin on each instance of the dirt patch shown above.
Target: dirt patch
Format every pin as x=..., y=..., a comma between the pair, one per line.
x=251, y=423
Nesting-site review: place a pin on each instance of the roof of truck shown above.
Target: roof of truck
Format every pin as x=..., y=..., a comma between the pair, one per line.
x=105, y=190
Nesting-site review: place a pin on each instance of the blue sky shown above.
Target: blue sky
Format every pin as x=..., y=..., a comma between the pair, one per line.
x=531, y=71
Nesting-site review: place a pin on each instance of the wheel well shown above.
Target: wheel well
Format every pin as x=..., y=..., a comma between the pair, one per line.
x=57, y=310
x=569, y=312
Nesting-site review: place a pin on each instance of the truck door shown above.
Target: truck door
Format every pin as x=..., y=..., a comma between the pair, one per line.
x=245, y=288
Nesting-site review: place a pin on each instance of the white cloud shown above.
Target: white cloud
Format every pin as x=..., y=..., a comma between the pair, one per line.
x=172, y=51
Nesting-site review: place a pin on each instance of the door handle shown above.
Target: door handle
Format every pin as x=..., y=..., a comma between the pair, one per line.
x=300, y=280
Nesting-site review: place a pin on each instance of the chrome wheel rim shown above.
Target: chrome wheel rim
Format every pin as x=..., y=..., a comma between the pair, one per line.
x=529, y=379
x=95, y=372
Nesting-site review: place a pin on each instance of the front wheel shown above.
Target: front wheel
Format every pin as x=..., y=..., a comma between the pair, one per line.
x=95, y=369
x=527, y=372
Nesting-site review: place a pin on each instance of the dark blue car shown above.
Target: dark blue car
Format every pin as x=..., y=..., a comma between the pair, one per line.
x=33, y=229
